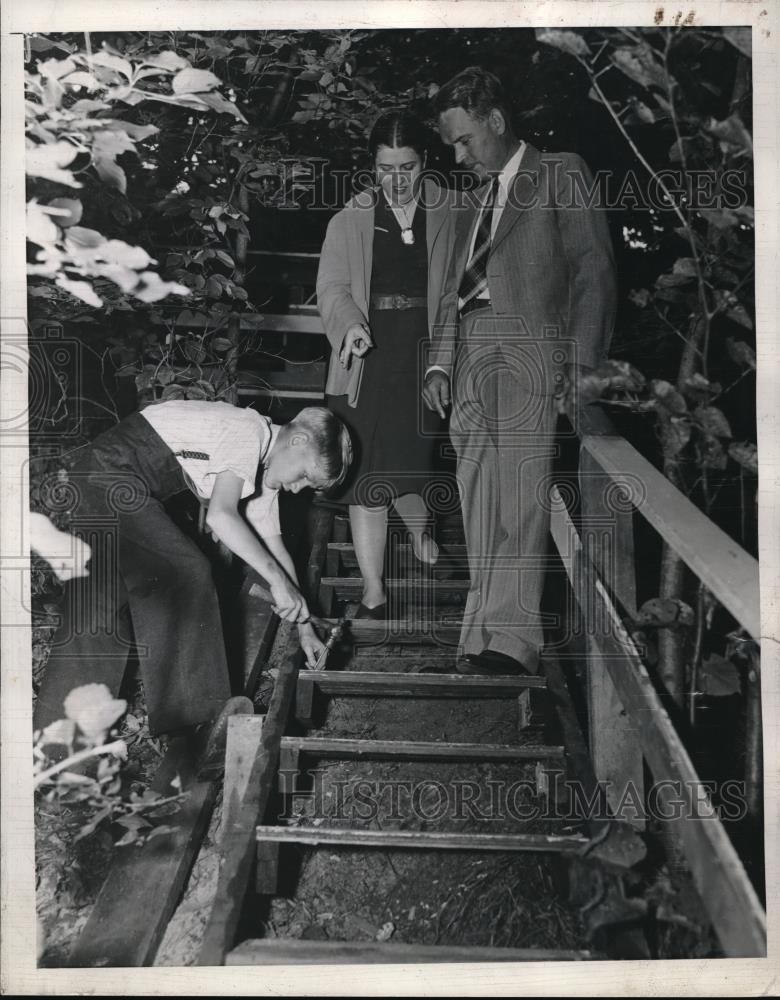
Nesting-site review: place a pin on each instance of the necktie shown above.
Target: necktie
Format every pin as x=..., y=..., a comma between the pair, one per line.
x=474, y=280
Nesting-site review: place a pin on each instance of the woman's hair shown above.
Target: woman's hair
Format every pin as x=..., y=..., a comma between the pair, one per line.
x=397, y=129
x=331, y=440
x=476, y=91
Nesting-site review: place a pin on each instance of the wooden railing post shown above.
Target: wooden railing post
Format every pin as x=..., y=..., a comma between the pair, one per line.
x=608, y=541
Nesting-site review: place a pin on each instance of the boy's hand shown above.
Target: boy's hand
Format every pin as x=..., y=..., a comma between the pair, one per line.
x=311, y=644
x=288, y=601
x=357, y=341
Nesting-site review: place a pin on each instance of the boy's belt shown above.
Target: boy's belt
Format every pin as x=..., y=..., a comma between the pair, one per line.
x=398, y=301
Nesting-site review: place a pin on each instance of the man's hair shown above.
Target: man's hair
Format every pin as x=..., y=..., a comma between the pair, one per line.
x=331, y=441
x=476, y=91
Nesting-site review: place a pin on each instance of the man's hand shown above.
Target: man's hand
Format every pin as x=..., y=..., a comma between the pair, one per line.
x=436, y=392
x=357, y=342
x=289, y=603
x=311, y=644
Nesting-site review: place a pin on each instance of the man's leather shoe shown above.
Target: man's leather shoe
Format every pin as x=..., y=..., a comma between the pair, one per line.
x=491, y=663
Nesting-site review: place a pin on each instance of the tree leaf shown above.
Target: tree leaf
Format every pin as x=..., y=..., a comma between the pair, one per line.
x=40, y=228
x=712, y=421
x=109, y=171
x=56, y=68
x=194, y=81
x=640, y=65
x=167, y=60
x=567, y=41
x=94, y=710
x=47, y=161
x=741, y=352
x=81, y=237
x=74, y=210
x=173, y=392
x=160, y=831
x=668, y=397
x=740, y=38
x=745, y=454
x=719, y=677
x=685, y=266
x=661, y=612
x=109, y=61
x=220, y=104
x=80, y=290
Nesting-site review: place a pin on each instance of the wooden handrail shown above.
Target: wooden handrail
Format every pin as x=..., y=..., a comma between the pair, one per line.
x=721, y=564
x=720, y=878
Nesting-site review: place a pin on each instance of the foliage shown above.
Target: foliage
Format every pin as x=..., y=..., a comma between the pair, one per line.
x=68, y=134
x=658, y=92
x=74, y=765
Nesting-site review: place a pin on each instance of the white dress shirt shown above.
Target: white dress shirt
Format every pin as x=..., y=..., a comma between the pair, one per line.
x=505, y=179
x=212, y=437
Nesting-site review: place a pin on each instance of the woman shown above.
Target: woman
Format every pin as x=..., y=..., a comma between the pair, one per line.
x=378, y=288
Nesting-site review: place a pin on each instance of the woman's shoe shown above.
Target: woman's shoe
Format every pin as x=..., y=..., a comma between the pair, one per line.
x=377, y=614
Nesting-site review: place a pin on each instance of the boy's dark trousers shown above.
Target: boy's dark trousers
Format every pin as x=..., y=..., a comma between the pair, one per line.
x=149, y=589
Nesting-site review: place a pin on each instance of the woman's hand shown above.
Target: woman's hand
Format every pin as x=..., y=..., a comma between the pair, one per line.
x=289, y=603
x=311, y=644
x=357, y=342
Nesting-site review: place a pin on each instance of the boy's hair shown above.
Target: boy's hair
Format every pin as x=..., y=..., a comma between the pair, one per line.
x=331, y=440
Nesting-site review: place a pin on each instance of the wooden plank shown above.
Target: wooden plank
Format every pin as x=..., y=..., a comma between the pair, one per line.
x=429, y=840
x=267, y=869
x=257, y=392
x=350, y=588
x=418, y=685
x=291, y=951
x=268, y=323
x=718, y=873
x=300, y=376
x=144, y=884
x=320, y=526
x=238, y=840
x=353, y=749
x=722, y=565
x=524, y=710
x=304, y=703
x=365, y=633
x=256, y=627
x=608, y=540
x=243, y=742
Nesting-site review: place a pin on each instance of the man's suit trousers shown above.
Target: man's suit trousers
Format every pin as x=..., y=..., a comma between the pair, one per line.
x=502, y=427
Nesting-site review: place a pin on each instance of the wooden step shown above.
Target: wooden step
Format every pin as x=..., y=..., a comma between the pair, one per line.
x=417, y=685
x=400, y=631
x=411, y=589
x=399, y=561
x=292, y=951
x=353, y=749
x=543, y=843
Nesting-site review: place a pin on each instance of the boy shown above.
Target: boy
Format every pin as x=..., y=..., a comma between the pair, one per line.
x=150, y=587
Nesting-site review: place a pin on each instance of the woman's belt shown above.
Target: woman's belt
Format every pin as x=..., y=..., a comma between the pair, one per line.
x=398, y=301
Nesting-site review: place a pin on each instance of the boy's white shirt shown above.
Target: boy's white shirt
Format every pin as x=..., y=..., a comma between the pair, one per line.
x=233, y=438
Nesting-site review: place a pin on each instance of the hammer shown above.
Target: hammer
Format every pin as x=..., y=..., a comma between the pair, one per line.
x=257, y=590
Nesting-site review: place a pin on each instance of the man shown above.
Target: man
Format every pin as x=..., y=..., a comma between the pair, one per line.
x=529, y=298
